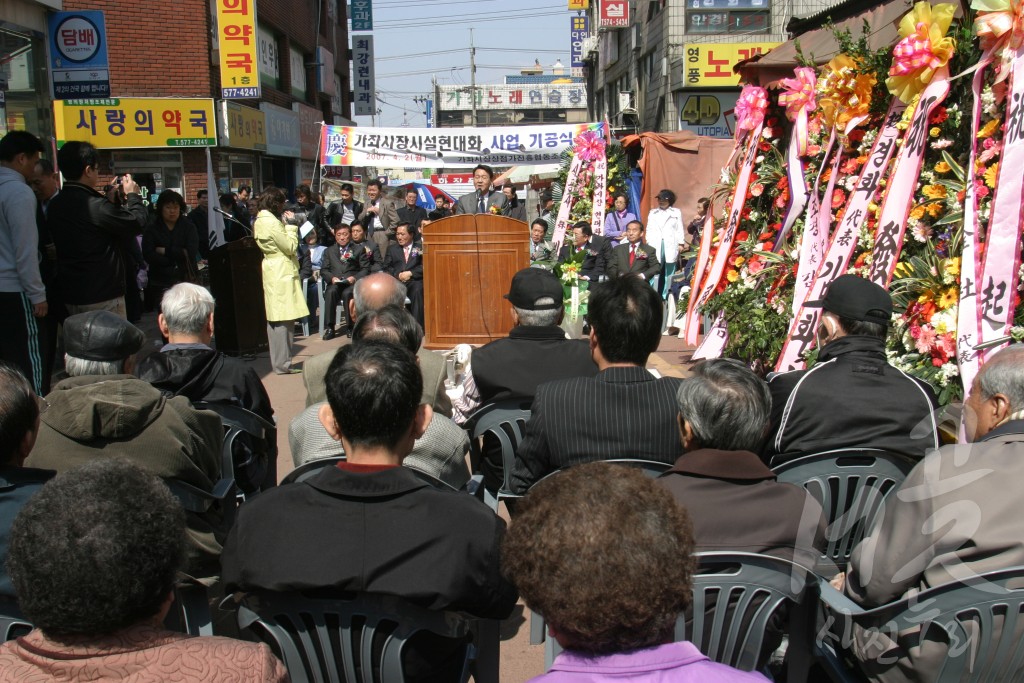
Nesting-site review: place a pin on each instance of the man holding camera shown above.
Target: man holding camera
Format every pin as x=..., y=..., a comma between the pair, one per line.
x=88, y=232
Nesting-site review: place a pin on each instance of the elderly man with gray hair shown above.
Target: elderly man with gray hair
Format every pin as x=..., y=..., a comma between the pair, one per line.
x=957, y=515
x=733, y=499
x=101, y=411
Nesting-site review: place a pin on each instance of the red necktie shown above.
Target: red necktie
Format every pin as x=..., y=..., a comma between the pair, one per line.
x=632, y=254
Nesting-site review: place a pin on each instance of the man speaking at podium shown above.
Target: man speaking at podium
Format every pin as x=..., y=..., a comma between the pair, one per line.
x=483, y=199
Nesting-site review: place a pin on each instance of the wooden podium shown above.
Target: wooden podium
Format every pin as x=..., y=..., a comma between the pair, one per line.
x=236, y=282
x=468, y=264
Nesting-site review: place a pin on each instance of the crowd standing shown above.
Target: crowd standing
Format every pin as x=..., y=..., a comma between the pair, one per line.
x=96, y=472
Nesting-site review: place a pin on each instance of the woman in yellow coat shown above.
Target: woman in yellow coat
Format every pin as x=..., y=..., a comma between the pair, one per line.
x=282, y=289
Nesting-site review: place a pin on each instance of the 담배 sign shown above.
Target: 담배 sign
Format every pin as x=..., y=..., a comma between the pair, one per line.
x=238, y=47
x=126, y=122
x=78, y=55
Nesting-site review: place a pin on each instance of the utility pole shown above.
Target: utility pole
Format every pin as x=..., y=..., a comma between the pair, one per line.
x=472, y=76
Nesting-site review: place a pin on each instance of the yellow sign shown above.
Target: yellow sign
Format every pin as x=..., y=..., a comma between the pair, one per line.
x=242, y=127
x=579, y=4
x=122, y=122
x=236, y=42
x=709, y=65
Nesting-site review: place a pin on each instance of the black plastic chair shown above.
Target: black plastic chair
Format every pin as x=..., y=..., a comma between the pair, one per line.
x=308, y=469
x=505, y=421
x=851, y=486
x=978, y=619
x=358, y=640
x=652, y=468
x=254, y=470
x=12, y=623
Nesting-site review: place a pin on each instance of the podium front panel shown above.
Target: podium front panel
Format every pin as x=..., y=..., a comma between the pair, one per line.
x=468, y=264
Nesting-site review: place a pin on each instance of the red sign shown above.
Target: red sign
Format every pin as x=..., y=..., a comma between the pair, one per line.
x=614, y=14
x=452, y=179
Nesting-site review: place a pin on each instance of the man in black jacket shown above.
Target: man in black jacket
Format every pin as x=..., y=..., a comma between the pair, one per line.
x=369, y=524
x=851, y=397
x=345, y=210
x=405, y=262
x=596, y=248
x=411, y=212
x=188, y=366
x=343, y=264
x=88, y=232
x=535, y=351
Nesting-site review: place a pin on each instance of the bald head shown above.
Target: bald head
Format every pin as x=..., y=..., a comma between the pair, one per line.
x=376, y=291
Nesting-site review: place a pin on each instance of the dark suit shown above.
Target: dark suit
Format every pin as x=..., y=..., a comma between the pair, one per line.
x=648, y=267
x=341, y=262
x=413, y=216
x=470, y=203
x=596, y=262
x=396, y=263
x=373, y=252
x=622, y=412
x=336, y=212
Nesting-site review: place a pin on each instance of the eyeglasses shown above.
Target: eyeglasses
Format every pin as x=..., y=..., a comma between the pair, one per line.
x=43, y=404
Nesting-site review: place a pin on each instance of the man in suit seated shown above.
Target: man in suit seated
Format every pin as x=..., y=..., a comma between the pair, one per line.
x=535, y=351
x=20, y=409
x=373, y=293
x=372, y=250
x=343, y=264
x=540, y=248
x=189, y=366
x=101, y=411
x=634, y=257
x=440, y=452
x=405, y=262
x=954, y=517
x=733, y=499
x=370, y=525
x=483, y=199
x=623, y=411
x=597, y=251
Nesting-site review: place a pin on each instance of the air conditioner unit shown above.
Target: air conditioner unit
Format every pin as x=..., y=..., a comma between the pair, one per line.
x=625, y=101
x=637, y=38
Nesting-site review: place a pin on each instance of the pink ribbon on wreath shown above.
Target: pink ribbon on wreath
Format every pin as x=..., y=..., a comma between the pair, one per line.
x=589, y=146
x=799, y=100
x=1000, y=27
x=750, y=108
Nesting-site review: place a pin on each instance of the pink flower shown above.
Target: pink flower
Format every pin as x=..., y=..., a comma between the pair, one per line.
x=756, y=189
x=755, y=266
x=589, y=145
x=925, y=340
x=915, y=331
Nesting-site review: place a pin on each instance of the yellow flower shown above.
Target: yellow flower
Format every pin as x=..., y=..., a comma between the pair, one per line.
x=923, y=50
x=902, y=269
x=934, y=191
x=948, y=298
x=732, y=275
x=991, y=174
x=988, y=129
x=934, y=209
x=917, y=213
x=739, y=261
x=843, y=92
x=935, y=131
x=873, y=208
x=952, y=266
x=924, y=298
x=942, y=167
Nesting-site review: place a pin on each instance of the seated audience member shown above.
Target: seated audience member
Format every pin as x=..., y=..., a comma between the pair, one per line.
x=94, y=556
x=101, y=411
x=19, y=425
x=368, y=524
x=440, y=452
x=611, y=578
x=623, y=411
x=618, y=219
x=851, y=397
x=514, y=208
x=596, y=260
x=372, y=250
x=343, y=265
x=311, y=261
x=541, y=250
x=535, y=351
x=373, y=293
x=405, y=262
x=732, y=497
x=188, y=366
x=633, y=257
x=954, y=517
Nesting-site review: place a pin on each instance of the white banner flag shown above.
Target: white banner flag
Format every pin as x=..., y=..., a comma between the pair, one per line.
x=214, y=221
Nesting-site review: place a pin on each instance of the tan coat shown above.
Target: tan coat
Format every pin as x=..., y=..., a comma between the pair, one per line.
x=141, y=653
x=282, y=288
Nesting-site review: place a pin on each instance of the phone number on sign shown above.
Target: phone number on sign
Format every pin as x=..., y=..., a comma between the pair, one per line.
x=239, y=93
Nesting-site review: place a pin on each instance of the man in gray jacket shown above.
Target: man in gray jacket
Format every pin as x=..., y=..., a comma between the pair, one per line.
x=957, y=515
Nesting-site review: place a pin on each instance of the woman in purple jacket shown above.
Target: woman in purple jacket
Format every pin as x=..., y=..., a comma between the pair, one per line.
x=606, y=555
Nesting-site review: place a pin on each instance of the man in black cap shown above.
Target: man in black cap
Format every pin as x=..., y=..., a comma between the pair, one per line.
x=851, y=397
x=535, y=351
x=101, y=411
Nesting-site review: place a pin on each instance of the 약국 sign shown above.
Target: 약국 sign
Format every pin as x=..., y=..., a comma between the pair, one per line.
x=237, y=41
x=448, y=148
x=125, y=122
x=78, y=55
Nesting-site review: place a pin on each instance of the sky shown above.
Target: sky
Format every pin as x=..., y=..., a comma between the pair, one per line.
x=415, y=41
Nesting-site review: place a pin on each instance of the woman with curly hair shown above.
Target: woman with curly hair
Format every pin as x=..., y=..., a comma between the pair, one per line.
x=93, y=558
x=605, y=554
x=282, y=288
x=170, y=245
